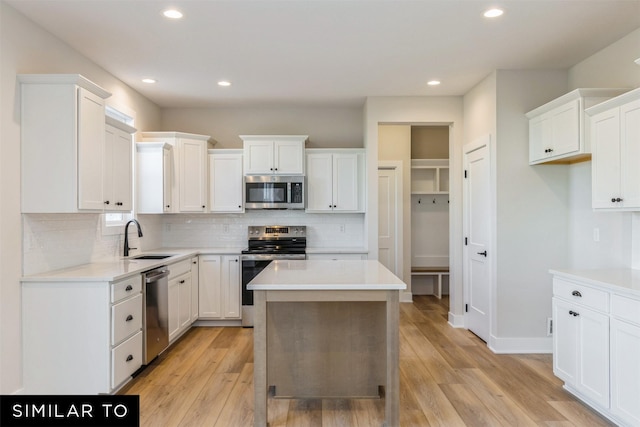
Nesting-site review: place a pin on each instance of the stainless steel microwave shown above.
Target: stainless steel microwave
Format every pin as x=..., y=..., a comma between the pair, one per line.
x=274, y=192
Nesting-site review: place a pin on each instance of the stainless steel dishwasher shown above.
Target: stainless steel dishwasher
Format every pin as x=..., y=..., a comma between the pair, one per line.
x=156, y=312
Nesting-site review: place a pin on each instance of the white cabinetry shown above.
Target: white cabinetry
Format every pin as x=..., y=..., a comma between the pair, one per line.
x=154, y=177
x=596, y=341
x=430, y=176
x=625, y=351
x=226, y=187
x=274, y=154
x=62, y=143
x=220, y=289
x=81, y=337
x=117, y=182
x=195, y=273
x=190, y=185
x=615, y=140
x=557, y=128
x=335, y=180
x=179, y=298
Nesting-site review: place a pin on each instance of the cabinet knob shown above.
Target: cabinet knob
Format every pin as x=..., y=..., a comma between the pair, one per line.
x=128, y=288
x=129, y=318
x=573, y=313
x=181, y=281
x=106, y=203
x=618, y=199
x=576, y=294
x=613, y=200
x=168, y=206
x=129, y=358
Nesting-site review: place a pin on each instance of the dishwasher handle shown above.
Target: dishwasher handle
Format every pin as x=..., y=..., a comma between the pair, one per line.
x=154, y=276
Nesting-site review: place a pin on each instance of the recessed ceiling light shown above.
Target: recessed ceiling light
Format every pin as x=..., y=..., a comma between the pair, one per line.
x=433, y=82
x=224, y=83
x=493, y=13
x=172, y=14
x=149, y=81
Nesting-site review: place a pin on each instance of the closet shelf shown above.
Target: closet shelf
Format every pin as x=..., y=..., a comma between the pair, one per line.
x=429, y=176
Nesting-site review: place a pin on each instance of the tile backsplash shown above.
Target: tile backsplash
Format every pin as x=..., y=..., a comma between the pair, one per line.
x=55, y=241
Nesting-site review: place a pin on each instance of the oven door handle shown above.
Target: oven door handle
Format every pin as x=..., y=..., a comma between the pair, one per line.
x=269, y=257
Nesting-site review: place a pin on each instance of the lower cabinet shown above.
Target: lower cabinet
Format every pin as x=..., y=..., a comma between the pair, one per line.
x=219, y=287
x=596, y=347
x=179, y=298
x=194, y=288
x=81, y=337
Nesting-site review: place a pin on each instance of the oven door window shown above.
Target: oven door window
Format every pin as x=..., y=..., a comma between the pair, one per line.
x=250, y=269
x=266, y=192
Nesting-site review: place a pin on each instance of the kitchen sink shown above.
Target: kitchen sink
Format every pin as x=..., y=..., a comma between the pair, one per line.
x=152, y=256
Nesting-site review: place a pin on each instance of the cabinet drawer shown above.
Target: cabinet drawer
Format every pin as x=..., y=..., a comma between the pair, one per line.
x=126, y=359
x=179, y=268
x=579, y=294
x=126, y=319
x=126, y=288
x=625, y=309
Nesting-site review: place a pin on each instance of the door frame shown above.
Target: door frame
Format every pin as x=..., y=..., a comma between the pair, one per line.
x=491, y=244
x=396, y=165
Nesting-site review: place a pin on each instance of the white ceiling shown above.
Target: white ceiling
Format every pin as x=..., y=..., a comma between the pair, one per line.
x=326, y=51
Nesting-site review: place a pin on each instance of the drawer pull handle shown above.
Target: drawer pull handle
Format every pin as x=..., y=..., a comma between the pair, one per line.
x=129, y=358
x=129, y=318
x=576, y=294
x=181, y=281
x=128, y=288
x=573, y=313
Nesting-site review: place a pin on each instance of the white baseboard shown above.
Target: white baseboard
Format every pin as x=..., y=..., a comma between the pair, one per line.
x=456, y=320
x=406, y=296
x=520, y=345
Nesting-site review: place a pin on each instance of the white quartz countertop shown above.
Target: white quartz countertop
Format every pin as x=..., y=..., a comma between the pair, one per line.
x=115, y=269
x=621, y=279
x=326, y=275
x=337, y=250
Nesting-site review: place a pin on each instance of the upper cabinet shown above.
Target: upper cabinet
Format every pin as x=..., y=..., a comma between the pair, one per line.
x=117, y=185
x=154, y=177
x=226, y=180
x=335, y=180
x=62, y=143
x=190, y=186
x=274, y=154
x=557, y=129
x=615, y=141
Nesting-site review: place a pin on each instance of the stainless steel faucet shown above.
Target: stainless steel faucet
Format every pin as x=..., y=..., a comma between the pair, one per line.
x=126, y=236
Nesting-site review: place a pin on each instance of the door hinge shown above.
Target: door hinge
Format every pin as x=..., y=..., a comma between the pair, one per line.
x=466, y=308
x=466, y=241
x=465, y=173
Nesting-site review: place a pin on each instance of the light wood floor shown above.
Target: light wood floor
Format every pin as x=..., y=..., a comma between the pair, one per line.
x=448, y=377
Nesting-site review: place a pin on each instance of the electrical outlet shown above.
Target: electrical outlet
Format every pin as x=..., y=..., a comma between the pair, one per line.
x=596, y=234
x=549, y=326
x=342, y=228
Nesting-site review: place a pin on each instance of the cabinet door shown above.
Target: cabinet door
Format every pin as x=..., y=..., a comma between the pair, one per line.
x=91, y=134
x=193, y=175
x=593, y=355
x=174, y=308
x=226, y=183
x=605, y=165
x=319, y=182
x=258, y=157
x=288, y=157
x=185, y=301
x=630, y=159
x=195, y=280
x=231, y=287
x=565, y=129
x=625, y=371
x=539, y=138
x=167, y=181
x=117, y=170
x=345, y=182
x=209, y=287
x=565, y=341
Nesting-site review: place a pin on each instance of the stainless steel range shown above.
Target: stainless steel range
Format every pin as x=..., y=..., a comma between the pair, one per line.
x=268, y=243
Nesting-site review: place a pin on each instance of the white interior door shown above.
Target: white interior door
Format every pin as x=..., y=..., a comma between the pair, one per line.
x=389, y=201
x=478, y=252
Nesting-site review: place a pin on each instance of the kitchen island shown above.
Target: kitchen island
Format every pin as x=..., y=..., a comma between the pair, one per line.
x=326, y=329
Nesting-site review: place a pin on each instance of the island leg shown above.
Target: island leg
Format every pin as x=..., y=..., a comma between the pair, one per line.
x=260, y=359
x=392, y=389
